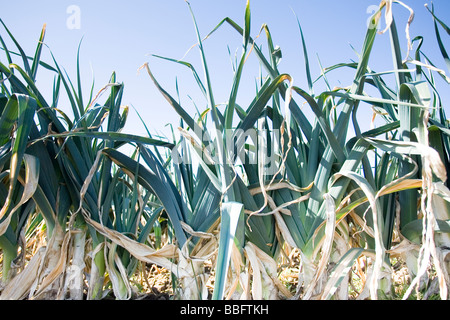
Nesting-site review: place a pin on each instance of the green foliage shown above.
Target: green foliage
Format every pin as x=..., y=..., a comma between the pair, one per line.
x=239, y=187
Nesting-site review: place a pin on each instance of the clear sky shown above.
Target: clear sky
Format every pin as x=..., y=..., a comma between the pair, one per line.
x=120, y=36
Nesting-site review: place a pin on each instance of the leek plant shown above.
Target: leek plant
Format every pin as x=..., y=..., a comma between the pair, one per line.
x=218, y=153
x=241, y=187
x=30, y=104
x=334, y=169
x=66, y=151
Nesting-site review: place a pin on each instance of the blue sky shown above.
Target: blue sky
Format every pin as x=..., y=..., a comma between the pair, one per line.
x=120, y=36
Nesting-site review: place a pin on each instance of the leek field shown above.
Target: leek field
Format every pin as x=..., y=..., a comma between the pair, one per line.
x=292, y=196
